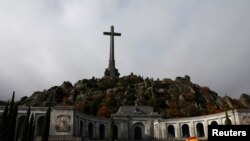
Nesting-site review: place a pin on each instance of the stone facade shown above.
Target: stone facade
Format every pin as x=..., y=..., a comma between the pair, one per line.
x=138, y=119
x=131, y=123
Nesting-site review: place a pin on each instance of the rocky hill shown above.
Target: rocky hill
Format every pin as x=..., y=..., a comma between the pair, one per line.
x=101, y=97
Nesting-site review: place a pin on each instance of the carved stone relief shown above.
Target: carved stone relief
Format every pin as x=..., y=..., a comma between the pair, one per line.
x=62, y=123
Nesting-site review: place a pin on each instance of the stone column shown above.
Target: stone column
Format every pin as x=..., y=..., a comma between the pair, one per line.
x=96, y=131
x=106, y=136
x=86, y=129
x=123, y=130
x=178, y=130
x=77, y=126
x=206, y=128
x=192, y=129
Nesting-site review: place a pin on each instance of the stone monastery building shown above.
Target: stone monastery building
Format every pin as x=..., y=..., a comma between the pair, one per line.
x=131, y=123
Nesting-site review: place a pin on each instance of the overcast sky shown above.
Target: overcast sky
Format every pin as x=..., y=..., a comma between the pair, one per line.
x=46, y=42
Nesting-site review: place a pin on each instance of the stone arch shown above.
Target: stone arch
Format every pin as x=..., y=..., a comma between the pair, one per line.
x=171, y=131
x=185, y=131
x=39, y=126
x=90, y=130
x=101, y=131
x=200, y=130
x=19, y=126
x=115, y=132
x=81, y=129
x=214, y=123
x=138, y=130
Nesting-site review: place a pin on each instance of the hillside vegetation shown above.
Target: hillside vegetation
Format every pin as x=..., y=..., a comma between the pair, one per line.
x=172, y=98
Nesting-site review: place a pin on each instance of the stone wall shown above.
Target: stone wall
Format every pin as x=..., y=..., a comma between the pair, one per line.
x=68, y=124
x=195, y=125
x=91, y=127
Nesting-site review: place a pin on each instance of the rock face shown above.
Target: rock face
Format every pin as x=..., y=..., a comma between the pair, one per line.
x=102, y=97
x=245, y=100
x=56, y=95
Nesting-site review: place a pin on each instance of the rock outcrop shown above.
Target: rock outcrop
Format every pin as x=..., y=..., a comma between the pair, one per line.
x=102, y=97
x=245, y=100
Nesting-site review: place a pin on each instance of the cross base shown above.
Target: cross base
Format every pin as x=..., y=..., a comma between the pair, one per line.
x=111, y=72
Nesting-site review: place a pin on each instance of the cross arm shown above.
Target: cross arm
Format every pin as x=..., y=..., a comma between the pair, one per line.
x=117, y=34
x=106, y=33
x=109, y=33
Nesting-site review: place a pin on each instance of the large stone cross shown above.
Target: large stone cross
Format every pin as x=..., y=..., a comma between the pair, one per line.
x=111, y=71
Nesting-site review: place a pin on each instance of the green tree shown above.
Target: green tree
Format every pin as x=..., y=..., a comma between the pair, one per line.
x=46, y=124
x=31, y=129
x=12, y=115
x=227, y=120
x=12, y=124
x=25, y=126
x=4, y=123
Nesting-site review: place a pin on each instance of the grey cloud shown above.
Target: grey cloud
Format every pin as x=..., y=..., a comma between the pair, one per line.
x=43, y=43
